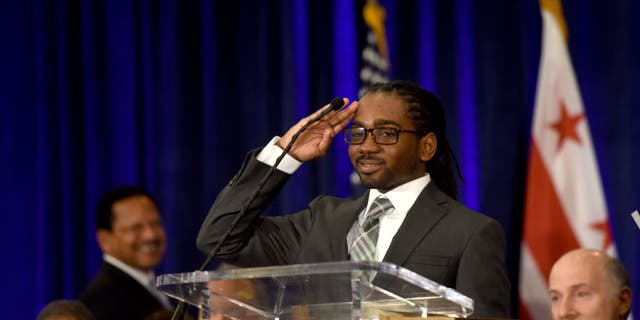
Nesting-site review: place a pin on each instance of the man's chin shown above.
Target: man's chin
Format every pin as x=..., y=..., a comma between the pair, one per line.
x=149, y=264
x=371, y=183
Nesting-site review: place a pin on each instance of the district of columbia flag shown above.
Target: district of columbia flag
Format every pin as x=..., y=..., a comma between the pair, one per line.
x=565, y=206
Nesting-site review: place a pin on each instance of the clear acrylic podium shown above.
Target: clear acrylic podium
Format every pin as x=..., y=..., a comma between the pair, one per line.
x=336, y=290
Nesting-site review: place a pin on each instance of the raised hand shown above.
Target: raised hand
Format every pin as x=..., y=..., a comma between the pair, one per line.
x=315, y=141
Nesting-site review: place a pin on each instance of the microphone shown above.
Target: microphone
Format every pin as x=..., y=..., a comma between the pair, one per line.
x=335, y=105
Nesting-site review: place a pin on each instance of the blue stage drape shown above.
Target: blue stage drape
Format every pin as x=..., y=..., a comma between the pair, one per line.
x=171, y=94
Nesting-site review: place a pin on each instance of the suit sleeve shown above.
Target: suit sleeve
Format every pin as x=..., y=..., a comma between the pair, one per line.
x=482, y=273
x=255, y=241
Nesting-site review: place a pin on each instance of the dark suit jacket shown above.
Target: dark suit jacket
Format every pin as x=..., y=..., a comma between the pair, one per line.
x=114, y=295
x=440, y=238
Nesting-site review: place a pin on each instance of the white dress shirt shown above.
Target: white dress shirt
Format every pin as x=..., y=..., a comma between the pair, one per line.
x=402, y=197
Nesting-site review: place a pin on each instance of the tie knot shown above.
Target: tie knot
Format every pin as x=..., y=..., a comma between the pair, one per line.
x=378, y=207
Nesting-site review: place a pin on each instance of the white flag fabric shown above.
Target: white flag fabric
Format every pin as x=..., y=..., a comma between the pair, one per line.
x=565, y=206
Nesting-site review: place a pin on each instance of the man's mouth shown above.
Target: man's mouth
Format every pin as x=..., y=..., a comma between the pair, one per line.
x=149, y=248
x=369, y=165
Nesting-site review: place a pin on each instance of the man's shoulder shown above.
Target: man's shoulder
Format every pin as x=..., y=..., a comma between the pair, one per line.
x=112, y=293
x=333, y=203
x=454, y=209
x=109, y=280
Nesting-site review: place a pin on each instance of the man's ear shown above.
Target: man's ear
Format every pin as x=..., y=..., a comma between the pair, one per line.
x=104, y=239
x=624, y=299
x=428, y=146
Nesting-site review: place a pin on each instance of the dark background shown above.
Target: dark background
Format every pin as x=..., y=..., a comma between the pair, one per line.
x=171, y=94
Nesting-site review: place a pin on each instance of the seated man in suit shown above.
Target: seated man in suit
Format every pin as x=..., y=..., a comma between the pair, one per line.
x=133, y=241
x=588, y=284
x=408, y=216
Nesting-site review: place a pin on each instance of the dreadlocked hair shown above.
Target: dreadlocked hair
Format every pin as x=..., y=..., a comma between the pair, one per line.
x=427, y=112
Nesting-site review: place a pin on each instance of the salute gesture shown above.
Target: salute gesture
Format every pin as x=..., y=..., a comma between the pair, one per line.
x=316, y=139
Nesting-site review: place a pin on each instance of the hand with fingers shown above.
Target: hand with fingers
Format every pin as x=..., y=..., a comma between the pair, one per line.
x=316, y=139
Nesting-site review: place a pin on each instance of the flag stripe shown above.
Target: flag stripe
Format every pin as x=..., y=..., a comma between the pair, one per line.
x=532, y=288
x=547, y=231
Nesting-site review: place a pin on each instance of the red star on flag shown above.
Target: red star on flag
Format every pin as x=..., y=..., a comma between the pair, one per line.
x=604, y=228
x=566, y=126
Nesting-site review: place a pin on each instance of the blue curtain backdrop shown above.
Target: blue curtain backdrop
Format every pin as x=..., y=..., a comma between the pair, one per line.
x=171, y=94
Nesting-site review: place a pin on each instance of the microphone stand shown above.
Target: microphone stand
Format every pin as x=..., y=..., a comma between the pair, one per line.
x=336, y=104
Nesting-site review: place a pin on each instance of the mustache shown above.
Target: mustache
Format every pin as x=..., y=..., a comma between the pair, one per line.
x=368, y=157
x=155, y=242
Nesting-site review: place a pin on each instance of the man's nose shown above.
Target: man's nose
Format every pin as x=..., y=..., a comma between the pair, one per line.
x=369, y=145
x=150, y=231
x=567, y=311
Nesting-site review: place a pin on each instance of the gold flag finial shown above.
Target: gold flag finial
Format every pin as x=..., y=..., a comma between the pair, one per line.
x=374, y=16
x=555, y=8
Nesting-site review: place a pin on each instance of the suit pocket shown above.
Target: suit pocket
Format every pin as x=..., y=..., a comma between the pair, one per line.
x=440, y=269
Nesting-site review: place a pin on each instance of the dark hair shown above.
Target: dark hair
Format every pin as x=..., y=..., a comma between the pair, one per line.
x=104, y=216
x=61, y=308
x=427, y=112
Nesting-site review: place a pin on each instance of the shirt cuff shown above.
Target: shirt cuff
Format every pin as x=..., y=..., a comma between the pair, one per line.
x=271, y=152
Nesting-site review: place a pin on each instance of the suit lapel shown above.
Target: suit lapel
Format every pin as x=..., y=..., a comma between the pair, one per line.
x=429, y=208
x=344, y=219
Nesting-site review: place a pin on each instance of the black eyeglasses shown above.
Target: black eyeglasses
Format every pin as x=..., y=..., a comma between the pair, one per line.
x=388, y=135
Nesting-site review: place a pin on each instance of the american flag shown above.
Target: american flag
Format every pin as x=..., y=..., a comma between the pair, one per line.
x=375, y=57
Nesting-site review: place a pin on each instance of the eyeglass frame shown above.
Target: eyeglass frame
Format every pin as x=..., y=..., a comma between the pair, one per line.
x=397, y=132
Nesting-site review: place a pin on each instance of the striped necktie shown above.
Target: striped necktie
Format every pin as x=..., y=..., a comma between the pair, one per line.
x=364, y=247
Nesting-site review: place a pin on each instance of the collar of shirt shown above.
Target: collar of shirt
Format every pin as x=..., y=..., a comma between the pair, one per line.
x=145, y=278
x=402, y=197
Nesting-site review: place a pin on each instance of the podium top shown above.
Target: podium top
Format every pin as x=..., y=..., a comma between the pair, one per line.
x=334, y=290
